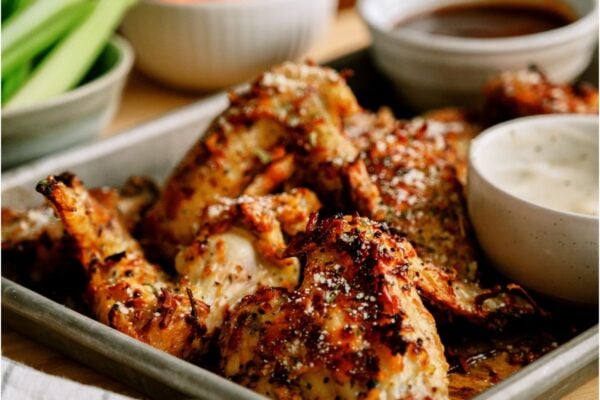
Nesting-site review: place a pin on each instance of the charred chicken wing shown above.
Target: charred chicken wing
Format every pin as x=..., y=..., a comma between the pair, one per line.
x=126, y=292
x=247, y=148
x=415, y=171
x=530, y=92
x=239, y=248
x=354, y=328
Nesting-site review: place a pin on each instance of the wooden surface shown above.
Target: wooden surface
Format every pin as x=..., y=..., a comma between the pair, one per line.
x=143, y=101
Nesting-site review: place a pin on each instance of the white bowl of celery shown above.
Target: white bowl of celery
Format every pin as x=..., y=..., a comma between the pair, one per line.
x=62, y=73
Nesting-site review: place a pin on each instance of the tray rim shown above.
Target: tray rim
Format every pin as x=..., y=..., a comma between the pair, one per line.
x=516, y=386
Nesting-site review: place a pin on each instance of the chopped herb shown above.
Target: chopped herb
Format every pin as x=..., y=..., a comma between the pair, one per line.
x=263, y=155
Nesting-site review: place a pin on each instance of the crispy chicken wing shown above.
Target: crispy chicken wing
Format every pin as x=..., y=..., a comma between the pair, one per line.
x=34, y=245
x=414, y=168
x=127, y=292
x=293, y=105
x=239, y=248
x=247, y=149
x=354, y=328
x=530, y=92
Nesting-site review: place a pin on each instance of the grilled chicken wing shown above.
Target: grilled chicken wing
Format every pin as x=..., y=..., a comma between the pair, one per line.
x=530, y=92
x=126, y=292
x=354, y=328
x=414, y=168
x=247, y=149
x=239, y=248
x=408, y=174
x=34, y=245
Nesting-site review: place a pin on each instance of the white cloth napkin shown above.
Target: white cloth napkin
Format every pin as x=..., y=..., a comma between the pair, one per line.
x=20, y=382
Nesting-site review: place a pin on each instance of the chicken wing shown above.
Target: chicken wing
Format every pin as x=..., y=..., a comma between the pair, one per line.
x=247, y=148
x=126, y=292
x=414, y=166
x=530, y=92
x=238, y=249
x=354, y=328
x=35, y=248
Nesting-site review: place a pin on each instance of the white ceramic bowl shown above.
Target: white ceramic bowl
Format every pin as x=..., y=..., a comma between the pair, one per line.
x=550, y=251
x=435, y=70
x=209, y=45
x=63, y=121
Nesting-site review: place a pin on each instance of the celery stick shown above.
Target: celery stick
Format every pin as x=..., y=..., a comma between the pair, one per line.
x=68, y=63
x=14, y=81
x=12, y=7
x=49, y=34
x=23, y=24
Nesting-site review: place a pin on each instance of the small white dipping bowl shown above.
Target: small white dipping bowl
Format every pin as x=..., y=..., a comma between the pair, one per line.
x=71, y=118
x=212, y=44
x=552, y=251
x=432, y=70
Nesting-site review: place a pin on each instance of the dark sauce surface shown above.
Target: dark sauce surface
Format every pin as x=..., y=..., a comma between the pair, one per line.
x=490, y=20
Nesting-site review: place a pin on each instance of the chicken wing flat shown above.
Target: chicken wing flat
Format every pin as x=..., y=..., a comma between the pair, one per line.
x=414, y=169
x=354, y=328
x=247, y=148
x=126, y=292
x=530, y=92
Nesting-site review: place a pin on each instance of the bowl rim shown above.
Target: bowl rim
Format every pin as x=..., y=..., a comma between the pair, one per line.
x=585, y=24
x=489, y=133
x=120, y=69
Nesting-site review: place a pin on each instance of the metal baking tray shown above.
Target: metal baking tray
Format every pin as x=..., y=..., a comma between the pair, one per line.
x=153, y=149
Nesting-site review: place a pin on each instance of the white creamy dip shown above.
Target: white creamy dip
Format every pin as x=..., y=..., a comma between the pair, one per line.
x=551, y=168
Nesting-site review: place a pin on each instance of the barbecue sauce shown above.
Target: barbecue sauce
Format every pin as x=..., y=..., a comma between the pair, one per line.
x=491, y=20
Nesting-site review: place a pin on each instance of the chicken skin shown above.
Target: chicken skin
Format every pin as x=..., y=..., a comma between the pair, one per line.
x=354, y=328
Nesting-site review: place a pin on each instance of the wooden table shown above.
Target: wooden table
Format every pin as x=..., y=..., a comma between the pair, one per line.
x=145, y=100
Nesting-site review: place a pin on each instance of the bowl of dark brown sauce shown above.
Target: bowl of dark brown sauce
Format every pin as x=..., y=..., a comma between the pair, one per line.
x=441, y=52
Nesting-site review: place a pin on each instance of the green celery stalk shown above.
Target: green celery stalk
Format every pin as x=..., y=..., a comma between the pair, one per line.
x=22, y=24
x=14, y=81
x=42, y=39
x=68, y=63
x=12, y=7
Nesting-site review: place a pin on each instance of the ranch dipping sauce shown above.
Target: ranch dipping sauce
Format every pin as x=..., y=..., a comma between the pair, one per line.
x=557, y=170
x=489, y=20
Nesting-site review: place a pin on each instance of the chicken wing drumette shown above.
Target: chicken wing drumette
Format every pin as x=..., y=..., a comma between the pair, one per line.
x=354, y=328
